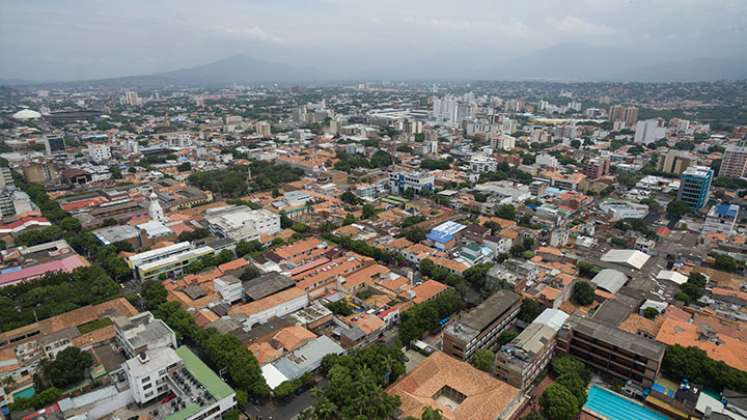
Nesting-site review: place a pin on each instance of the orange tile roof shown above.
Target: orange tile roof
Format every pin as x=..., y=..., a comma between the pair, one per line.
x=297, y=248
x=365, y=275
x=366, y=322
x=233, y=265
x=635, y=323
x=427, y=290
x=486, y=398
x=292, y=337
x=264, y=352
x=452, y=265
x=399, y=243
x=730, y=350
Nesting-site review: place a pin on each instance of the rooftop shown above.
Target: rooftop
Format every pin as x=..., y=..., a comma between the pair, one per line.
x=616, y=337
x=456, y=388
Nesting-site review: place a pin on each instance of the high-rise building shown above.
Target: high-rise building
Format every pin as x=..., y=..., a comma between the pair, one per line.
x=99, y=152
x=131, y=98
x=6, y=178
x=617, y=113
x=734, y=162
x=263, y=129
x=674, y=161
x=597, y=168
x=695, y=186
x=54, y=145
x=631, y=116
x=649, y=131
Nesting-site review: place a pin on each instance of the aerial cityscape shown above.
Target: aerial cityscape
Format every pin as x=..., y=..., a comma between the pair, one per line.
x=333, y=210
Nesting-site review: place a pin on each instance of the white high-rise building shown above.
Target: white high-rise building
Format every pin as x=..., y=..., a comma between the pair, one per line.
x=99, y=152
x=648, y=131
x=131, y=98
x=263, y=129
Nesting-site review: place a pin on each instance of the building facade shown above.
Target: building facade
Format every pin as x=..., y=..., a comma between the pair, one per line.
x=695, y=186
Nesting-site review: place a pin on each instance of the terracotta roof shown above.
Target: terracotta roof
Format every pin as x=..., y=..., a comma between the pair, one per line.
x=427, y=290
x=485, y=397
x=729, y=350
x=233, y=265
x=264, y=352
x=449, y=264
x=293, y=337
x=636, y=323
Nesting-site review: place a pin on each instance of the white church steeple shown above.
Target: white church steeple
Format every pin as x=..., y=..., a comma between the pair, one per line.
x=155, y=210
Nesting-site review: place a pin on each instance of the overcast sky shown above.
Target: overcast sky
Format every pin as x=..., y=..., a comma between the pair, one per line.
x=83, y=39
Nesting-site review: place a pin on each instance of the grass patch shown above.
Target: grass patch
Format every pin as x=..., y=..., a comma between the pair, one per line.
x=94, y=325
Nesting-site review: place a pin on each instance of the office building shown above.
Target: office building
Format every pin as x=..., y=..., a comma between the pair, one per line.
x=695, y=186
x=649, y=131
x=597, y=168
x=674, y=161
x=242, y=223
x=400, y=181
x=481, y=163
x=620, y=209
x=54, y=145
x=481, y=327
x=734, y=162
x=99, y=152
x=522, y=360
x=131, y=98
x=6, y=178
x=13, y=202
x=170, y=261
x=618, y=353
x=142, y=332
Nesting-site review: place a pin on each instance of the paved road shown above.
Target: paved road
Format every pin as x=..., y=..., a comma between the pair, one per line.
x=286, y=411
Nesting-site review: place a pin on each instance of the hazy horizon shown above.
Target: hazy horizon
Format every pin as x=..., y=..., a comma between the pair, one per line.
x=80, y=40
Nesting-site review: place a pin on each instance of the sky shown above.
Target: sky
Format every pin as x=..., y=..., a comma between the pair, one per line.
x=88, y=39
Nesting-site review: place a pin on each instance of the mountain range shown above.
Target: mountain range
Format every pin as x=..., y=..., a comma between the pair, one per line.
x=566, y=62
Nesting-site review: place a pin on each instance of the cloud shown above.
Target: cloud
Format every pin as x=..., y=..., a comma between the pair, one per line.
x=250, y=33
x=577, y=26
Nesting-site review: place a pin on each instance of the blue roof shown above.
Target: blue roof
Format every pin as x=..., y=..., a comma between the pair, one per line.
x=445, y=232
x=727, y=210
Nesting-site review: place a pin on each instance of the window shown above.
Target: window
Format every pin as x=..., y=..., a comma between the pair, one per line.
x=147, y=386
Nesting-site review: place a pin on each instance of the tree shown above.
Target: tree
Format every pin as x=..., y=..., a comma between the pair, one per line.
x=693, y=364
x=506, y=211
x=677, y=208
x=184, y=167
x=381, y=159
x=650, y=313
x=248, y=247
x=348, y=220
x=350, y=198
x=154, y=294
x=576, y=385
x=484, y=360
x=431, y=414
x=369, y=211
x=415, y=235
x=582, y=293
x=724, y=262
x=70, y=224
x=565, y=365
x=530, y=309
x=558, y=403
x=68, y=368
x=340, y=308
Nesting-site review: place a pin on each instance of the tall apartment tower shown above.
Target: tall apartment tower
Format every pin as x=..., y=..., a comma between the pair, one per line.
x=734, y=162
x=617, y=113
x=631, y=116
x=695, y=186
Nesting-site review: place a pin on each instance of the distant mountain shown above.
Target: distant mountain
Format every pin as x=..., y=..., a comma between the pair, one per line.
x=236, y=69
x=578, y=62
x=240, y=69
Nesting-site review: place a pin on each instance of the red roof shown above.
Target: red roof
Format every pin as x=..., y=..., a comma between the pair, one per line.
x=67, y=264
x=663, y=231
x=13, y=226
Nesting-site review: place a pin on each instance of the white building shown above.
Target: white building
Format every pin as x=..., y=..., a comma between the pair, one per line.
x=242, y=223
x=199, y=392
x=417, y=181
x=143, y=332
x=481, y=164
x=229, y=288
x=722, y=218
x=620, y=209
x=648, y=131
x=263, y=129
x=506, y=143
x=550, y=161
x=99, y=152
